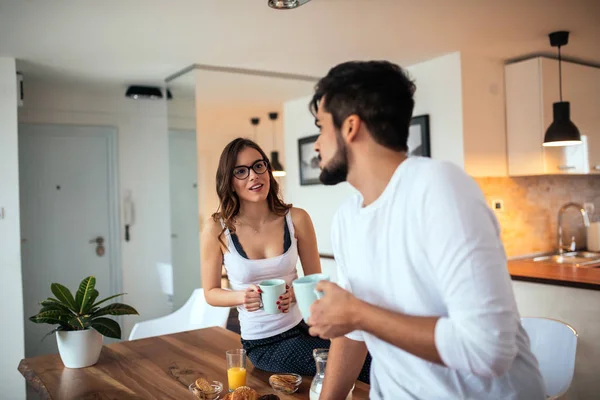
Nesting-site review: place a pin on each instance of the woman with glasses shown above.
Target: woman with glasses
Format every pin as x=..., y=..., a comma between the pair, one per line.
x=257, y=237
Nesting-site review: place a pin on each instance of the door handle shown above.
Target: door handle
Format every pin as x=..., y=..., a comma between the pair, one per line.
x=99, y=241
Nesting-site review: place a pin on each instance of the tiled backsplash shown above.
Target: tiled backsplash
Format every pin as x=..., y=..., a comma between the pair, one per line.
x=531, y=207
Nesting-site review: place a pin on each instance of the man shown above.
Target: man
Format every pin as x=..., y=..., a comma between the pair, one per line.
x=425, y=285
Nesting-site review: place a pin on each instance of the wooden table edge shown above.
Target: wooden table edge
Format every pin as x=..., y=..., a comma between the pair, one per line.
x=33, y=380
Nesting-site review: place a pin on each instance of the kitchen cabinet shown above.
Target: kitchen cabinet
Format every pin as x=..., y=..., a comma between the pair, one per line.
x=532, y=86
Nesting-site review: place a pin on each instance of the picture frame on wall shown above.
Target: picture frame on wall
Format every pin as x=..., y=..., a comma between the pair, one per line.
x=418, y=142
x=308, y=160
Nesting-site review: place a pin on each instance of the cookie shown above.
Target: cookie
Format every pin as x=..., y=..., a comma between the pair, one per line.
x=244, y=393
x=203, y=385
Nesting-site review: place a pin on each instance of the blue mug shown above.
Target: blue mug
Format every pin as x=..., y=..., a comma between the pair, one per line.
x=305, y=292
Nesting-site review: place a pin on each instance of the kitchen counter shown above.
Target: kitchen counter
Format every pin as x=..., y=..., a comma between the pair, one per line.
x=536, y=271
x=554, y=274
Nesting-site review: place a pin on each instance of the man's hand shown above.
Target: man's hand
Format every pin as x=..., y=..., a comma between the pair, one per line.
x=335, y=314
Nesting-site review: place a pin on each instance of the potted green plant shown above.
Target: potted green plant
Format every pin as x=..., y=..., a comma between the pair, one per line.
x=81, y=321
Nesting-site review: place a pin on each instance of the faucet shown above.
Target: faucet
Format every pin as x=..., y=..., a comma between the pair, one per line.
x=586, y=222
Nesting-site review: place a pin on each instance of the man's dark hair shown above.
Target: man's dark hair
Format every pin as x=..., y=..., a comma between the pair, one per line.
x=379, y=92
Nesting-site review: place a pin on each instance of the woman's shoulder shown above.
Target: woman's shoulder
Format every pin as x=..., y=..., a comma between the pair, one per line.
x=298, y=214
x=212, y=227
x=301, y=220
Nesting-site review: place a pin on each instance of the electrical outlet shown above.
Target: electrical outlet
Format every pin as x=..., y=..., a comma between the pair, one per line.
x=497, y=205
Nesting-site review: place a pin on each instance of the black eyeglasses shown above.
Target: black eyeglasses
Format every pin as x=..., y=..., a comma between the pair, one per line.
x=242, y=172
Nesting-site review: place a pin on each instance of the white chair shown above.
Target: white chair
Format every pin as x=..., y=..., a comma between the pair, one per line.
x=196, y=313
x=554, y=344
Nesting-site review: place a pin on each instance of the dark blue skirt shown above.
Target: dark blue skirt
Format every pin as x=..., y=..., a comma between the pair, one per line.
x=292, y=351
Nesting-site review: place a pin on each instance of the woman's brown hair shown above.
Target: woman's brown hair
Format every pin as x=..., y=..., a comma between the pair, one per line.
x=229, y=202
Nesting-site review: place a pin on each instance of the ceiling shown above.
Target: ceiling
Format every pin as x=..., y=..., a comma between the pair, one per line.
x=144, y=41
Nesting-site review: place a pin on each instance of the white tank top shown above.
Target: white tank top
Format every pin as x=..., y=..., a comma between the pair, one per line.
x=243, y=272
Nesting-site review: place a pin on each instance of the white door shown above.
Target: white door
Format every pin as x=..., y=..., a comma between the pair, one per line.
x=185, y=227
x=68, y=200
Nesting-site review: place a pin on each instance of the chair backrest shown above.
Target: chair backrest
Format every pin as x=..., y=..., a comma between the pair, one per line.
x=196, y=313
x=554, y=344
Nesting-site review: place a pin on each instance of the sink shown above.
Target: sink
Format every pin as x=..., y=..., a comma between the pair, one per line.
x=573, y=258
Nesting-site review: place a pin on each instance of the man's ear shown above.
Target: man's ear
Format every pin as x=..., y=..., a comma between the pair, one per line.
x=351, y=127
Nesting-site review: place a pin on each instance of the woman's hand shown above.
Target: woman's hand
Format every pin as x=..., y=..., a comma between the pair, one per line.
x=286, y=299
x=252, y=298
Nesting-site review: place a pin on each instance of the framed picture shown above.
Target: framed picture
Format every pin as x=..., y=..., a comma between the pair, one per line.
x=308, y=159
x=418, y=137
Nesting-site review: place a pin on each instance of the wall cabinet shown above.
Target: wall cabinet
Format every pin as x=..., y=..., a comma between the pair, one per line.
x=532, y=86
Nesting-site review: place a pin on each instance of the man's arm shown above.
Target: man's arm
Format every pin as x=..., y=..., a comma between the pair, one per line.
x=344, y=362
x=415, y=335
x=339, y=312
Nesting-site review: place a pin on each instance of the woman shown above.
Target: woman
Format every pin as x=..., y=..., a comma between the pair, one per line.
x=258, y=237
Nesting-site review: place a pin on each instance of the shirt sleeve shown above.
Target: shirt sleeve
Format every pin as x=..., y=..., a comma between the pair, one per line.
x=342, y=277
x=463, y=244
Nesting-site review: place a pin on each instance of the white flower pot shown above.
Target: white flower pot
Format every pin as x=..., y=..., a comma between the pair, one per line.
x=79, y=349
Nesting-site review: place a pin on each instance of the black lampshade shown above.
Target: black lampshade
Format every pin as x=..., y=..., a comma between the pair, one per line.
x=144, y=92
x=562, y=132
x=278, y=169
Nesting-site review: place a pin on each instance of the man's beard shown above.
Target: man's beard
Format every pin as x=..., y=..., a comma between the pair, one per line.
x=336, y=170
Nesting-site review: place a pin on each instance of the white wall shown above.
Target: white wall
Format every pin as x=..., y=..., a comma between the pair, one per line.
x=439, y=94
x=484, y=116
x=143, y=171
x=12, y=339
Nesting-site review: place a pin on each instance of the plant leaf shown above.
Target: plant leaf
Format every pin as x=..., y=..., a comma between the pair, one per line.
x=51, y=314
x=64, y=295
x=49, y=301
x=115, y=309
x=107, y=327
x=93, y=298
x=57, y=307
x=84, y=293
x=78, y=322
x=58, y=328
x=108, y=298
x=51, y=321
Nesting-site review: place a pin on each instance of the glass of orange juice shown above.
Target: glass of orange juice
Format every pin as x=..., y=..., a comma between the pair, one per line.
x=236, y=368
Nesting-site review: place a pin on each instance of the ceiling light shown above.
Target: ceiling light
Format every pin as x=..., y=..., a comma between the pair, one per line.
x=562, y=132
x=144, y=92
x=286, y=4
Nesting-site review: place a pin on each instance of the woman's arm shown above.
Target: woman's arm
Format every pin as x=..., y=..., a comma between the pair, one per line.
x=307, y=251
x=307, y=242
x=211, y=264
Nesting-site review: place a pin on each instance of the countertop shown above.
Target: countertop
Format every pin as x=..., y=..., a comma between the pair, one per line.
x=554, y=274
x=548, y=273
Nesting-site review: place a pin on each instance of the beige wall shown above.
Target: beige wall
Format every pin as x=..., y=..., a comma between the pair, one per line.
x=531, y=207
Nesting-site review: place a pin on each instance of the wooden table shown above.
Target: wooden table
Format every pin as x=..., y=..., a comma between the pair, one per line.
x=155, y=368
